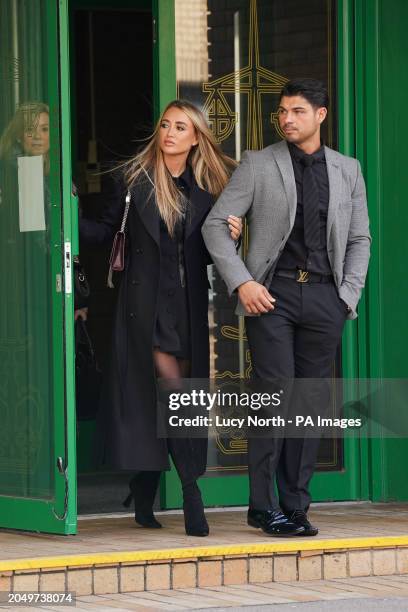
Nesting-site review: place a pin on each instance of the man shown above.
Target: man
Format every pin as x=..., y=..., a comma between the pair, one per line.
x=307, y=260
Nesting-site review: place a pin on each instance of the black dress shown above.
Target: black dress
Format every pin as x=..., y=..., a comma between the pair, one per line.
x=172, y=331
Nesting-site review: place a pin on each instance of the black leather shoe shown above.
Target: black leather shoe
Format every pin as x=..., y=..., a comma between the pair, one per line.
x=273, y=523
x=299, y=517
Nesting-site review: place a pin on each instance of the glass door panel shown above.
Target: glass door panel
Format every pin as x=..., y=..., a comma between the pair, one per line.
x=34, y=379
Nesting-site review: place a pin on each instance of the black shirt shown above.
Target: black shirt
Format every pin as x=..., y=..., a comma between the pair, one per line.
x=184, y=181
x=295, y=255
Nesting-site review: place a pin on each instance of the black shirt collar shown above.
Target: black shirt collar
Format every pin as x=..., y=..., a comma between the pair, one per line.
x=186, y=178
x=297, y=153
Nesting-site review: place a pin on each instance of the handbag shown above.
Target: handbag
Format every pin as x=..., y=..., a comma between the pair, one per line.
x=88, y=374
x=117, y=256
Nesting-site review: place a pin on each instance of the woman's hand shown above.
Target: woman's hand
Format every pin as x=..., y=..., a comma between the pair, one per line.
x=81, y=313
x=235, y=226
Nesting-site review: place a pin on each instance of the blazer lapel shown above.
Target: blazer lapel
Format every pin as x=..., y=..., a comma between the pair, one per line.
x=335, y=188
x=284, y=161
x=145, y=203
x=200, y=204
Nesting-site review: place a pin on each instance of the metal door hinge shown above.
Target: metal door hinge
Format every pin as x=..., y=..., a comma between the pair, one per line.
x=154, y=30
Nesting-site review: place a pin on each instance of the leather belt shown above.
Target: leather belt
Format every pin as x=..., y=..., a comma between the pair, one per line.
x=303, y=276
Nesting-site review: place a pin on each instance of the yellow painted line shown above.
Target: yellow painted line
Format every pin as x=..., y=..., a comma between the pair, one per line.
x=202, y=551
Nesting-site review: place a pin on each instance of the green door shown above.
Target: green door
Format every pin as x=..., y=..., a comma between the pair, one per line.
x=37, y=441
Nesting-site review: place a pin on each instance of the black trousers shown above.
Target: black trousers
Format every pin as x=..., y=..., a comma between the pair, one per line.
x=298, y=339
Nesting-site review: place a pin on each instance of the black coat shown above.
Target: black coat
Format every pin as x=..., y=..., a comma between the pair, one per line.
x=128, y=417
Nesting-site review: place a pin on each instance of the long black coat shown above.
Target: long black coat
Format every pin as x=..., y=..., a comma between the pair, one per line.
x=127, y=420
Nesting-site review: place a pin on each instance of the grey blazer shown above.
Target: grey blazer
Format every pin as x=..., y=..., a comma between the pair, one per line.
x=263, y=190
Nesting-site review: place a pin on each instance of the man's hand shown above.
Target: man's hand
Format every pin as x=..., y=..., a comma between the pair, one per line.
x=235, y=226
x=255, y=298
x=346, y=305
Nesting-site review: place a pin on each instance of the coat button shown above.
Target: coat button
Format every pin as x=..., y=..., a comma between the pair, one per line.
x=132, y=314
x=283, y=238
x=139, y=251
x=135, y=282
x=268, y=260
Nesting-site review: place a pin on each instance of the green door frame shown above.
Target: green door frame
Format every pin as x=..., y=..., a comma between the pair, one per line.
x=380, y=74
x=70, y=234
x=350, y=483
x=368, y=151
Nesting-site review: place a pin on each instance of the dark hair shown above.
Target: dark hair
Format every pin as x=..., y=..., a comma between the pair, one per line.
x=312, y=90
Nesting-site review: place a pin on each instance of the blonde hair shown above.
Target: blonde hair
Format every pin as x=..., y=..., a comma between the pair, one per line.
x=210, y=166
x=26, y=116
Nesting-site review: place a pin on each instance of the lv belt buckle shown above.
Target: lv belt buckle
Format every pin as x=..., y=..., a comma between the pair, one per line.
x=303, y=276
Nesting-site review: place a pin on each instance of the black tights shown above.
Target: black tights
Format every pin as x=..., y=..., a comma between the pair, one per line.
x=169, y=367
x=171, y=370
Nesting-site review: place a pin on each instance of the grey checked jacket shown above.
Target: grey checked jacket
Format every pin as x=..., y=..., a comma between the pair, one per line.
x=263, y=190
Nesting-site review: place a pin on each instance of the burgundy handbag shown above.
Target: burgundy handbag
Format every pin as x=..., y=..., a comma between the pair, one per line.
x=117, y=256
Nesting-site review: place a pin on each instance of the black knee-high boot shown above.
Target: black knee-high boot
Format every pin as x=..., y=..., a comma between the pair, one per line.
x=181, y=452
x=143, y=487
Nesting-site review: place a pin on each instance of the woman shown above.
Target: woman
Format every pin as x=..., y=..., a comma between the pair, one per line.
x=161, y=325
x=28, y=134
x=27, y=283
